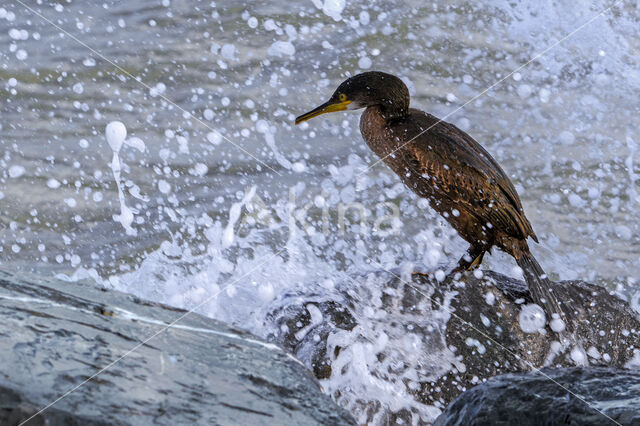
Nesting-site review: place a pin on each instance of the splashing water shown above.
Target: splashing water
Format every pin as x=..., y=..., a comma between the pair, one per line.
x=532, y=318
x=206, y=224
x=116, y=133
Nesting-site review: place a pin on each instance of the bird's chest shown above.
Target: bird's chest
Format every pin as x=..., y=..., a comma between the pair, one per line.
x=383, y=139
x=393, y=144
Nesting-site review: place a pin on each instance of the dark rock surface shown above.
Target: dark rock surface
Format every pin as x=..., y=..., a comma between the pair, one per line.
x=532, y=399
x=474, y=328
x=54, y=335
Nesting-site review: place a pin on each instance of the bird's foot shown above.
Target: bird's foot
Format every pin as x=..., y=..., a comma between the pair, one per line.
x=420, y=275
x=476, y=262
x=468, y=262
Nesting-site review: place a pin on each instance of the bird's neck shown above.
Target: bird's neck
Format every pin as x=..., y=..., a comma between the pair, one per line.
x=390, y=95
x=397, y=107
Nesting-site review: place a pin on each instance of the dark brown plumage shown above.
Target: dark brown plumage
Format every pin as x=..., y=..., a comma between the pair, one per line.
x=448, y=167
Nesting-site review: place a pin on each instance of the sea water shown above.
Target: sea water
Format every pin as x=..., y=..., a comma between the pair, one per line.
x=207, y=196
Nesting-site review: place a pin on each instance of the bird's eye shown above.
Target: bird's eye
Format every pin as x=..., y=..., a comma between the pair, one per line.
x=342, y=97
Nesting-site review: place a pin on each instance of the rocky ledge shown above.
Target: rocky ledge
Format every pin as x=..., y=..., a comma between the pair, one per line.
x=459, y=333
x=600, y=396
x=390, y=350
x=54, y=336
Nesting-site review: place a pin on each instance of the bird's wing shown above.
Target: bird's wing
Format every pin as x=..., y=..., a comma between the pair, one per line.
x=467, y=174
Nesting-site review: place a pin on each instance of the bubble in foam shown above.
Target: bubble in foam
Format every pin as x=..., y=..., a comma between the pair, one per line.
x=579, y=356
x=136, y=143
x=490, y=298
x=125, y=218
x=298, y=167
x=16, y=171
x=281, y=48
x=116, y=134
x=53, y=183
x=524, y=90
x=531, y=318
x=593, y=352
x=262, y=126
x=556, y=324
x=157, y=90
x=214, y=137
x=200, y=169
x=566, y=137
x=15, y=34
x=228, y=235
x=334, y=8
x=266, y=292
x=364, y=17
x=228, y=51
x=164, y=186
x=364, y=63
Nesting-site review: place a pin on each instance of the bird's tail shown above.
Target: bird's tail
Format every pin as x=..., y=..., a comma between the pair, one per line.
x=541, y=289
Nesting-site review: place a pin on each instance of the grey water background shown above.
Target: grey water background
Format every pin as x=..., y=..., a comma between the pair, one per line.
x=224, y=231
x=565, y=128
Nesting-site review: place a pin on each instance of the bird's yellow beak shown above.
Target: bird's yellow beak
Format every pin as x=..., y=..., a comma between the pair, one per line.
x=323, y=109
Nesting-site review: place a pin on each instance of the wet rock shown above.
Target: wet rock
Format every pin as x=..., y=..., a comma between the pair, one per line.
x=606, y=328
x=54, y=335
x=607, y=396
x=441, y=339
x=305, y=329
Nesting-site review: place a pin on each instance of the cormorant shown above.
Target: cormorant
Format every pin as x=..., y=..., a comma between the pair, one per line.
x=443, y=164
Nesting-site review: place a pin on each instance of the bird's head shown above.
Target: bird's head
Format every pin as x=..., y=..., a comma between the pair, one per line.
x=364, y=90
